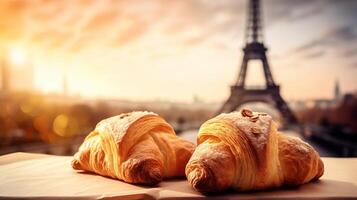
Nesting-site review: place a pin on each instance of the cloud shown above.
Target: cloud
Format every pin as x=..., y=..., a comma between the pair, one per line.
x=346, y=33
x=353, y=65
x=73, y=26
x=101, y=20
x=315, y=54
x=11, y=13
x=291, y=10
x=130, y=33
x=207, y=18
x=351, y=52
x=15, y=7
x=51, y=39
x=59, y=24
x=336, y=36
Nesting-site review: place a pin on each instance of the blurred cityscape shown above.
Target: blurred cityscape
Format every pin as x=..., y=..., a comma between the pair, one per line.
x=57, y=123
x=45, y=111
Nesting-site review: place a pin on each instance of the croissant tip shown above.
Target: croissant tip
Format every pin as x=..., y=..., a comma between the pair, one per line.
x=202, y=180
x=147, y=172
x=320, y=169
x=75, y=164
x=155, y=176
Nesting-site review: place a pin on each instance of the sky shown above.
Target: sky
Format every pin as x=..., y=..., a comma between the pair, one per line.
x=176, y=50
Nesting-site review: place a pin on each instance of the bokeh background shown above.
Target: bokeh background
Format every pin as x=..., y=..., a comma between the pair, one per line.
x=65, y=65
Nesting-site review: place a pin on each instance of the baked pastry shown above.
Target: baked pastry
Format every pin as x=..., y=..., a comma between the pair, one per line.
x=137, y=147
x=244, y=151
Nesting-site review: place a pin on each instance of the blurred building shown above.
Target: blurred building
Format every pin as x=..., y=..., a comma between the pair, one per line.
x=337, y=91
x=320, y=103
x=18, y=77
x=4, y=76
x=65, y=84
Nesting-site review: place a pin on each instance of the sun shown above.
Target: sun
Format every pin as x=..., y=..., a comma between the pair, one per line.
x=17, y=56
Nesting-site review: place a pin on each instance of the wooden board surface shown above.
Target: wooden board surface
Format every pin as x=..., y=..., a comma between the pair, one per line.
x=24, y=175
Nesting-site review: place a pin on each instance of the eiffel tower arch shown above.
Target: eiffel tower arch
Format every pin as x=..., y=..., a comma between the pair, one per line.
x=255, y=50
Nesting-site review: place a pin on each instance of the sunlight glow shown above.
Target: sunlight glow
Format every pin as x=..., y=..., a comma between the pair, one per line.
x=18, y=56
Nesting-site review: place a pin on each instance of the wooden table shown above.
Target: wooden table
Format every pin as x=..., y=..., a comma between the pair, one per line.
x=25, y=175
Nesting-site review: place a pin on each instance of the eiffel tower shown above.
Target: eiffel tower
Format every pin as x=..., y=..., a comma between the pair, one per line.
x=255, y=50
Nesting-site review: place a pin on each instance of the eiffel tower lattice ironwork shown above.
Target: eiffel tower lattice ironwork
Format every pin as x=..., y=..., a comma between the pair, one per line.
x=255, y=50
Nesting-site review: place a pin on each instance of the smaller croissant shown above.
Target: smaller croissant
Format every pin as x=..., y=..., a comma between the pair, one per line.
x=137, y=147
x=244, y=151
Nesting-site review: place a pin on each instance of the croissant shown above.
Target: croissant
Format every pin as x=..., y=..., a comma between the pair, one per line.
x=244, y=151
x=137, y=147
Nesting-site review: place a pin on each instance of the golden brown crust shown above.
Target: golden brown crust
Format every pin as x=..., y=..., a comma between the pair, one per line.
x=244, y=151
x=137, y=147
x=300, y=162
x=207, y=172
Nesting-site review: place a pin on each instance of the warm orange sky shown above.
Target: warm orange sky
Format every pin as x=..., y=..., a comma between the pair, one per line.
x=173, y=50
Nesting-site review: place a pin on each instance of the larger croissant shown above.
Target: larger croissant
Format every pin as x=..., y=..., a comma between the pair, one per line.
x=244, y=151
x=137, y=147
